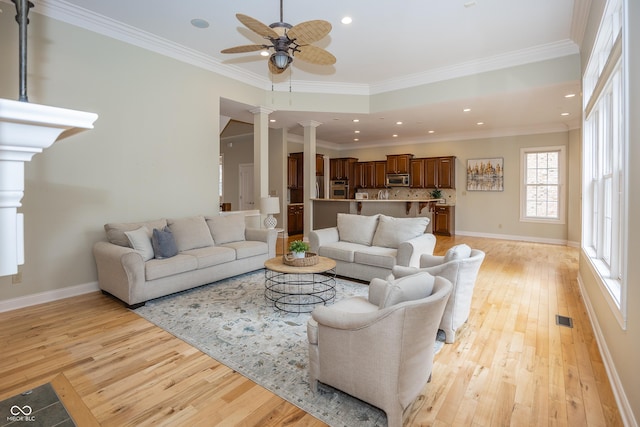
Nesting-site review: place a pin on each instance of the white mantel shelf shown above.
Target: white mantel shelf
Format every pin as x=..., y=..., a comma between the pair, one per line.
x=25, y=130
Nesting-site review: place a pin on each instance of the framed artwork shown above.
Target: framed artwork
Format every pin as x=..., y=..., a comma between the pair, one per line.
x=485, y=174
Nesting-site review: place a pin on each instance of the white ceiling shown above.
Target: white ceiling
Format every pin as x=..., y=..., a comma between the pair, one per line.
x=391, y=44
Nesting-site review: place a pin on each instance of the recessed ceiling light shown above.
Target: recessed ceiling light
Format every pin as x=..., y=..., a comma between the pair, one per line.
x=346, y=20
x=470, y=4
x=395, y=135
x=480, y=123
x=272, y=120
x=466, y=110
x=432, y=131
x=356, y=139
x=565, y=114
x=357, y=131
x=570, y=95
x=199, y=23
x=356, y=120
x=398, y=123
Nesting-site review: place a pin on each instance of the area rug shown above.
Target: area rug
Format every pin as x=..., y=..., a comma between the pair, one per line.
x=231, y=321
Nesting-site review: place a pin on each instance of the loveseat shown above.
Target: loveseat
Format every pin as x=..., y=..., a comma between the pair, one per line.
x=367, y=247
x=146, y=260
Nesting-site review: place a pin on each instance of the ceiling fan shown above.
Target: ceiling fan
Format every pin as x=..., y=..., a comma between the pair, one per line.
x=287, y=41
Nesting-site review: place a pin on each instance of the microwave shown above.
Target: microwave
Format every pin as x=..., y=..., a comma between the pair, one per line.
x=397, y=180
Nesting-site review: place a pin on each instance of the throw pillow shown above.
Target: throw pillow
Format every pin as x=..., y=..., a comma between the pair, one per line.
x=163, y=243
x=227, y=228
x=457, y=252
x=357, y=228
x=190, y=233
x=409, y=288
x=141, y=242
x=115, y=230
x=393, y=231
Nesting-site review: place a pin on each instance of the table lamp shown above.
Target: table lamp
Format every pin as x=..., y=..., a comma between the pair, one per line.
x=270, y=206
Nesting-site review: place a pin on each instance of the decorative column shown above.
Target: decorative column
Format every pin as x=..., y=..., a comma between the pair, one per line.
x=25, y=130
x=260, y=152
x=309, y=172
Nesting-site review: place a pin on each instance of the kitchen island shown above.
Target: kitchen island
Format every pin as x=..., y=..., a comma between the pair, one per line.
x=325, y=211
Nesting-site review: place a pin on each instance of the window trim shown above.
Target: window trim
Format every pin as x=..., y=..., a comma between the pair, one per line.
x=562, y=171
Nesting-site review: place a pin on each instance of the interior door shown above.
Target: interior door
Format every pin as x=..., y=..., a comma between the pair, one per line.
x=245, y=196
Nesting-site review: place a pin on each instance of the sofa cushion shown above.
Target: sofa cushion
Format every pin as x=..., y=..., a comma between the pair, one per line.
x=393, y=231
x=190, y=233
x=409, y=288
x=357, y=228
x=457, y=252
x=115, y=230
x=164, y=246
x=211, y=255
x=227, y=228
x=376, y=256
x=159, y=268
x=340, y=251
x=140, y=240
x=247, y=249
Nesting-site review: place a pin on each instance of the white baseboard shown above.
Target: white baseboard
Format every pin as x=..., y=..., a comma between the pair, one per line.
x=626, y=411
x=48, y=296
x=512, y=237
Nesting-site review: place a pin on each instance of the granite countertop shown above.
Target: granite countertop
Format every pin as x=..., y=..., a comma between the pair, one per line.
x=376, y=200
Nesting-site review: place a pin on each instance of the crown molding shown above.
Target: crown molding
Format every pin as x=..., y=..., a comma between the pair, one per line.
x=579, y=20
x=491, y=63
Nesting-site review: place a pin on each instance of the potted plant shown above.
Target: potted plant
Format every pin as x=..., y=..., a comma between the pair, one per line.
x=298, y=248
x=436, y=194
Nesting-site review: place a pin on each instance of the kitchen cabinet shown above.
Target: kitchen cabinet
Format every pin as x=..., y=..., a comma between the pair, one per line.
x=295, y=219
x=433, y=172
x=370, y=174
x=398, y=163
x=379, y=174
x=341, y=168
x=444, y=220
x=319, y=165
x=292, y=172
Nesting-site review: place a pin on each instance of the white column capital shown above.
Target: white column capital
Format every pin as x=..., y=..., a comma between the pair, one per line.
x=309, y=123
x=261, y=110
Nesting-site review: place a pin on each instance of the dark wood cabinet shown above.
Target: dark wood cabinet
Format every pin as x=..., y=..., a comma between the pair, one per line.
x=341, y=168
x=444, y=220
x=416, y=171
x=379, y=174
x=398, y=163
x=292, y=172
x=433, y=172
x=295, y=219
x=319, y=165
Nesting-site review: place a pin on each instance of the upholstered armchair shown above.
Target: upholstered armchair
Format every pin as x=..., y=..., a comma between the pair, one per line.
x=379, y=349
x=460, y=265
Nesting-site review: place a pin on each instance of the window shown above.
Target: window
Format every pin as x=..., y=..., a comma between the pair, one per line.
x=604, y=159
x=542, y=193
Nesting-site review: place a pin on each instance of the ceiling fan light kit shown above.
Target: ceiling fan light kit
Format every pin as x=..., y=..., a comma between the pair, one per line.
x=287, y=42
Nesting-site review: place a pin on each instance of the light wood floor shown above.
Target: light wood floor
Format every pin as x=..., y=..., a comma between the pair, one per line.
x=511, y=365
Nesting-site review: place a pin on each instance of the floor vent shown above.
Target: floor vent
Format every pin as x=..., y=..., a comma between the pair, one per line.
x=564, y=321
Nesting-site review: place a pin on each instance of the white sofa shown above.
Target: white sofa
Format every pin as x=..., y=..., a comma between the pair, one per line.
x=135, y=265
x=367, y=247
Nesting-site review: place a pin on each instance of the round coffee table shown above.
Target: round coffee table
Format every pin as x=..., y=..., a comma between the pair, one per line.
x=299, y=289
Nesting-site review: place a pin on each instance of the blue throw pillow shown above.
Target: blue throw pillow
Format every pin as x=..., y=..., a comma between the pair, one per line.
x=164, y=245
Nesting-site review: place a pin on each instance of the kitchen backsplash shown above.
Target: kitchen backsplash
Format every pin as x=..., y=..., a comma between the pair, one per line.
x=402, y=193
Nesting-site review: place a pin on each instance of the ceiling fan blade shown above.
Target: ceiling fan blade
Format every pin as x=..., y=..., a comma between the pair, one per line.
x=309, y=31
x=275, y=70
x=257, y=26
x=244, y=48
x=315, y=55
